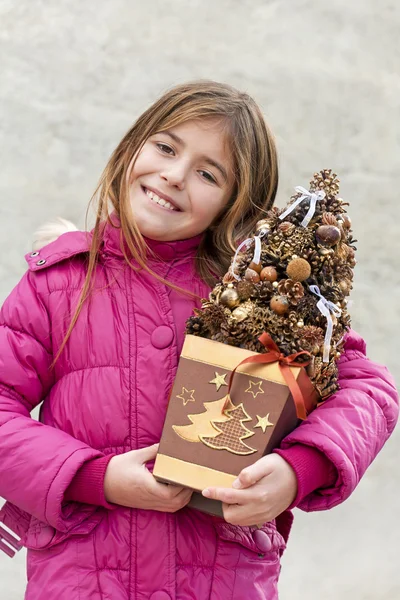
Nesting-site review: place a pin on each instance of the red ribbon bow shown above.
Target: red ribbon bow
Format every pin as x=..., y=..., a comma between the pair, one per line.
x=285, y=362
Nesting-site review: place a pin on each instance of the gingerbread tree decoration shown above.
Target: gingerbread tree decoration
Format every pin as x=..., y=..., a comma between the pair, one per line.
x=201, y=422
x=231, y=432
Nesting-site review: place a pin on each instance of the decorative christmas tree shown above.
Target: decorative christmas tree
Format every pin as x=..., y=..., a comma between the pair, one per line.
x=231, y=432
x=291, y=279
x=201, y=423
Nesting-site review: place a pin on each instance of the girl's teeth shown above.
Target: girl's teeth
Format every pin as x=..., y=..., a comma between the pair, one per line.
x=159, y=201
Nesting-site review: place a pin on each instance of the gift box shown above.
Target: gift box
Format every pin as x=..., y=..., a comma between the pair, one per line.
x=210, y=435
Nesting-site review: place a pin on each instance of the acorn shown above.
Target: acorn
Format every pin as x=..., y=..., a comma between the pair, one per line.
x=229, y=298
x=255, y=266
x=252, y=275
x=269, y=274
x=280, y=305
x=328, y=235
x=298, y=269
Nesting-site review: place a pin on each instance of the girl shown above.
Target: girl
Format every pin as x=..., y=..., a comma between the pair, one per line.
x=94, y=331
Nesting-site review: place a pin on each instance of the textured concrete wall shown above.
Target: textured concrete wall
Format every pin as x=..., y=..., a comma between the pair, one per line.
x=74, y=75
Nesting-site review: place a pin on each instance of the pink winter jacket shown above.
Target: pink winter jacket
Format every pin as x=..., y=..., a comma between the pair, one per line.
x=108, y=394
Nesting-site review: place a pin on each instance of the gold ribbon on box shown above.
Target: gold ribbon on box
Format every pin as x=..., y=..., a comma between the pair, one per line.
x=285, y=362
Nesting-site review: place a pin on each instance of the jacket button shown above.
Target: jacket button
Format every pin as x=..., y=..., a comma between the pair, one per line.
x=162, y=337
x=262, y=541
x=160, y=595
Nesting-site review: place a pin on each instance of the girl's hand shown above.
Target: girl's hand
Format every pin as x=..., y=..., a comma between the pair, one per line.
x=128, y=482
x=259, y=494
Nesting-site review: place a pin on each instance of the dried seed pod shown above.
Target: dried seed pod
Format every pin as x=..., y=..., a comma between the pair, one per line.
x=229, y=298
x=269, y=274
x=328, y=235
x=280, y=305
x=298, y=269
x=245, y=289
x=252, y=276
x=255, y=266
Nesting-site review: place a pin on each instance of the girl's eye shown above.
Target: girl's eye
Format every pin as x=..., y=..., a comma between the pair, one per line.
x=165, y=148
x=208, y=176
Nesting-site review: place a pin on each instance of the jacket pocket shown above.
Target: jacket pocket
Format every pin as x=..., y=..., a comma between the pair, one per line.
x=41, y=536
x=265, y=543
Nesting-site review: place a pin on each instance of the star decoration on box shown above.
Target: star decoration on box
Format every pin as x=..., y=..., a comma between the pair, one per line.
x=255, y=388
x=263, y=423
x=219, y=380
x=186, y=396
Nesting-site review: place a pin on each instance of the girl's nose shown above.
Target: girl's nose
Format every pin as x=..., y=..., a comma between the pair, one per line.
x=174, y=176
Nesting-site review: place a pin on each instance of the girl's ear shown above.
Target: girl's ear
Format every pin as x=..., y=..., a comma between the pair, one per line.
x=50, y=231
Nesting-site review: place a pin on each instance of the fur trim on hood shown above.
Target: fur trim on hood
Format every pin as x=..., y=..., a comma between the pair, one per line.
x=50, y=231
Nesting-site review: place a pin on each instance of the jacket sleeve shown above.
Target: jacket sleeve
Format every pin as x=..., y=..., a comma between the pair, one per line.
x=351, y=427
x=37, y=462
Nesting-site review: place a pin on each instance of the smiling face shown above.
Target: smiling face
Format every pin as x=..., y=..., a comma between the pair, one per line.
x=181, y=180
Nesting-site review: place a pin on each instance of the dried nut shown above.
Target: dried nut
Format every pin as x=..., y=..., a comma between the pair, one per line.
x=255, y=266
x=275, y=284
x=240, y=314
x=346, y=221
x=300, y=323
x=280, y=305
x=251, y=275
x=229, y=298
x=269, y=274
x=298, y=269
x=328, y=235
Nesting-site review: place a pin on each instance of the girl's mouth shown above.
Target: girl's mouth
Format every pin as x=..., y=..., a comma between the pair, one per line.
x=160, y=201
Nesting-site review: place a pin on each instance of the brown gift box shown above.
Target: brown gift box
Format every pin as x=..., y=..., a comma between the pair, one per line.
x=209, y=437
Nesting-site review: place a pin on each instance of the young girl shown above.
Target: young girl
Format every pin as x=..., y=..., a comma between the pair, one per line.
x=93, y=332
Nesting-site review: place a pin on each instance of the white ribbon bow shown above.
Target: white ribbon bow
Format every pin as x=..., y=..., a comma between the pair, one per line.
x=246, y=244
x=313, y=196
x=326, y=308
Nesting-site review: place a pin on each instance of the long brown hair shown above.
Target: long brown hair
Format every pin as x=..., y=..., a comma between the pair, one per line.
x=255, y=170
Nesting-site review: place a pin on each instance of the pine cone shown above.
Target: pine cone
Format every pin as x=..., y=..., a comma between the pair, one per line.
x=214, y=315
x=264, y=291
x=292, y=289
x=327, y=181
x=195, y=326
x=311, y=338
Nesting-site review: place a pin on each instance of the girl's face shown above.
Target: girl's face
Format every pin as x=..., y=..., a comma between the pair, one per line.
x=181, y=180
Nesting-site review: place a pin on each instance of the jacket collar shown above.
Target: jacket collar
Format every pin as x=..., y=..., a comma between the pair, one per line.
x=164, y=251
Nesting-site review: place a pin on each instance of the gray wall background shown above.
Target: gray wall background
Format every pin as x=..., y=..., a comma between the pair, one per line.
x=74, y=76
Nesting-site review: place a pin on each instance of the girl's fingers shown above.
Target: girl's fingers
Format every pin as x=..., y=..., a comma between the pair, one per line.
x=246, y=516
x=250, y=475
x=227, y=495
x=148, y=453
